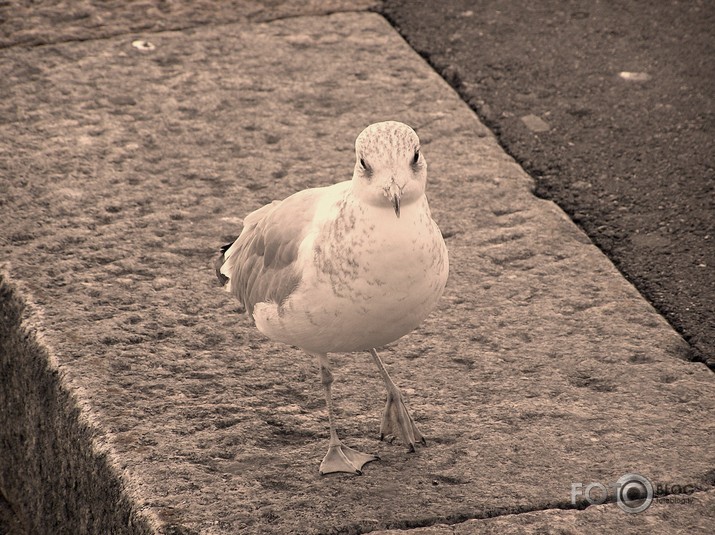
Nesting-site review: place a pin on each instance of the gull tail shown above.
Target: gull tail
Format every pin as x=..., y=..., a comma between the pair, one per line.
x=223, y=279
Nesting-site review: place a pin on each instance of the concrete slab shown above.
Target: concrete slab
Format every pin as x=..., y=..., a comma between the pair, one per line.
x=149, y=404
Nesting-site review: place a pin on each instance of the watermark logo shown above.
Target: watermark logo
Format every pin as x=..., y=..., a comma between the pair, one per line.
x=633, y=493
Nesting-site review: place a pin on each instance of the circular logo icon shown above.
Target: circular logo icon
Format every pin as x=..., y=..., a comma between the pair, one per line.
x=634, y=493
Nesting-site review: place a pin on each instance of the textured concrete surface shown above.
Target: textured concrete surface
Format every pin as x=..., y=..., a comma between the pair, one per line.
x=126, y=168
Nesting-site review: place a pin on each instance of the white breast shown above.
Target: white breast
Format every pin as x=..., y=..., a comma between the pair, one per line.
x=368, y=279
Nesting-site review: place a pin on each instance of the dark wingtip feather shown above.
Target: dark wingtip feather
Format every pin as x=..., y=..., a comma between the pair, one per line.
x=223, y=279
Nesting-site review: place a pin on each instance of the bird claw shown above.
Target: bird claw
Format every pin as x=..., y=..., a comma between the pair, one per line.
x=387, y=438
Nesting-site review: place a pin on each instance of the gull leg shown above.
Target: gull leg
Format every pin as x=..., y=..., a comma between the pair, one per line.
x=396, y=420
x=339, y=458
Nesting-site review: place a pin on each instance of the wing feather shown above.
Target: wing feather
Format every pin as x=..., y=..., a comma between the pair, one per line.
x=262, y=263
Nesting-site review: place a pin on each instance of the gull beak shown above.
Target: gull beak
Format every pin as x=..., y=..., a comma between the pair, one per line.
x=394, y=192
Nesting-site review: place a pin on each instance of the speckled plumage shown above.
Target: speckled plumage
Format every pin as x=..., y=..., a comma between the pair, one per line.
x=347, y=267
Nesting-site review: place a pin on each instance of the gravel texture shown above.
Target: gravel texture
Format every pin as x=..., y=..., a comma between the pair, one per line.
x=127, y=168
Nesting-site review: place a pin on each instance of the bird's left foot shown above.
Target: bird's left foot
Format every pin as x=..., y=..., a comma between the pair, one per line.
x=397, y=422
x=340, y=458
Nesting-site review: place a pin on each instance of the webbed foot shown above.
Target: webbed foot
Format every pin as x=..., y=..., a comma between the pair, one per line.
x=340, y=458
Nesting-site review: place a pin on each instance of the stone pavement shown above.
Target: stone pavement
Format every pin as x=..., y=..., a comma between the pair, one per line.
x=135, y=399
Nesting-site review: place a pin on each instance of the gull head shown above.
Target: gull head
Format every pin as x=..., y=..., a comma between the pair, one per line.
x=390, y=170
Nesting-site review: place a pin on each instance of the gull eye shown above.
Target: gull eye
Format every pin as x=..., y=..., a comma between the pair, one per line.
x=366, y=171
x=416, y=157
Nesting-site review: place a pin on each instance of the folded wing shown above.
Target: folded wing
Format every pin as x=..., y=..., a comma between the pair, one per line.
x=261, y=265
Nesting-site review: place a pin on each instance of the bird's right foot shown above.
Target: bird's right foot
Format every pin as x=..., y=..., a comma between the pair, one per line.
x=397, y=422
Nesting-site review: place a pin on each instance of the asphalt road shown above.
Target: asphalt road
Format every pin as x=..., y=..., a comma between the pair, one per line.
x=630, y=157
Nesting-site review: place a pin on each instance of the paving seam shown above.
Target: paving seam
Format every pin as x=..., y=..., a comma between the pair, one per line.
x=150, y=31
x=456, y=520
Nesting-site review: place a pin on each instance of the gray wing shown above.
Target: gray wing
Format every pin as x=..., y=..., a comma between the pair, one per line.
x=261, y=263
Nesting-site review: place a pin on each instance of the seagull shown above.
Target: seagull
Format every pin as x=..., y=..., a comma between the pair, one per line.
x=345, y=268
